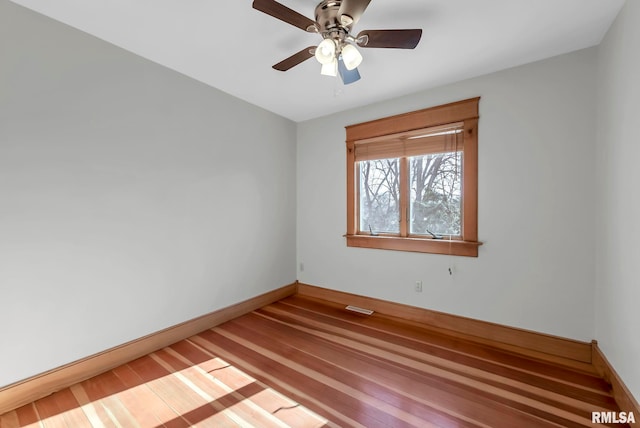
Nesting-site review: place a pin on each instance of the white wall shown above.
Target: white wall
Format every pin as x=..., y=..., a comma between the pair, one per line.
x=618, y=262
x=131, y=197
x=536, y=161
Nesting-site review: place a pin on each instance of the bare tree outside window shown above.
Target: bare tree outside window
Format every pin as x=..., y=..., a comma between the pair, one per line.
x=436, y=195
x=435, y=203
x=380, y=195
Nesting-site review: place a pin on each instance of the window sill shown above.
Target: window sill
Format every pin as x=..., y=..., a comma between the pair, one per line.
x=418, y=245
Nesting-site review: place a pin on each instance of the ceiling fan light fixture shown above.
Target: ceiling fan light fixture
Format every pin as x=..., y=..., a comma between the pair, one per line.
x=330, y=69
x=334, y=20
x=326, y=51
x=351, y=57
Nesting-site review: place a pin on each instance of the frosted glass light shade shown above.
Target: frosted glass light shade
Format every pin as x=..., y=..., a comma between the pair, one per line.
x=330, y=69
x=348, y=76
x=351, y=57
x=326, y=51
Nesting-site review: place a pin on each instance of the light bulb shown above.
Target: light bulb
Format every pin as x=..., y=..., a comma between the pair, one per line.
x=326, y=51
x=351, y=57
x=330, y=69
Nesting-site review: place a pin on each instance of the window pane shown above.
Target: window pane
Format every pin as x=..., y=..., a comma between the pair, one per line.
x=435, y=181
x=379, y=195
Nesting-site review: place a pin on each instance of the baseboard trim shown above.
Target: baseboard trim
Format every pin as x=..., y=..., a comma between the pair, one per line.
x=23, y=392
x=568, y=352
x=621, y=393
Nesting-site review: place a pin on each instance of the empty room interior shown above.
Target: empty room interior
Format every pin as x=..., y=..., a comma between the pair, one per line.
x=183, y=224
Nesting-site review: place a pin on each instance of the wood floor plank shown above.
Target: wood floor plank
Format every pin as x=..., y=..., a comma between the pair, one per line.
x=50, y=413
x=384, y=379
x=9, y=420
x=96, y=413
x=282, y=407
x=103, y=392
x=303, y=362
x=400, y=330
x=71, y=411
x=600, y=400
x=240, y=387
x=594, y=393
x=184, y=399
x=484, y=380
x=28, y=416
x=350, y=401
x=235, y=402
x=296, y=387
x=146, y=406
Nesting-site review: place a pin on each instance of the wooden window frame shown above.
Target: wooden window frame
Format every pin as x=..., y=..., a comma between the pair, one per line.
x=466, y=112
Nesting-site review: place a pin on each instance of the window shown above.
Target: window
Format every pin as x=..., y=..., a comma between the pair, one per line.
x=412, y=181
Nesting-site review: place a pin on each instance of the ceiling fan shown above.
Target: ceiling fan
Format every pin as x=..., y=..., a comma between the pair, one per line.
x=334, y=20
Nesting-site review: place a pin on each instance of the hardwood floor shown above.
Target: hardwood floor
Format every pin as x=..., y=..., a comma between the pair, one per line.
x=303, y=362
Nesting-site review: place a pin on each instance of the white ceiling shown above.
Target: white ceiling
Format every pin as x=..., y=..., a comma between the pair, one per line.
x=232, y=47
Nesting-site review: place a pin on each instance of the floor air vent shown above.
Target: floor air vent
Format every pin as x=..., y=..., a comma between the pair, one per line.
x=359, y=310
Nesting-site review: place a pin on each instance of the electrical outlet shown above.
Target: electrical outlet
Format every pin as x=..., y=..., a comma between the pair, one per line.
x=418, y=287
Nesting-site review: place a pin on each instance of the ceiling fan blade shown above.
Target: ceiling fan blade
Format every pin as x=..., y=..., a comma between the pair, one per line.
x=295, y=59
x=399, y=39
x=353, y=8
x=283, y=13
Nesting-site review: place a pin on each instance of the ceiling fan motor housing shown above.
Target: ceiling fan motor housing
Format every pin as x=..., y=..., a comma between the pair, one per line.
x=327, y=17
x=330, y=25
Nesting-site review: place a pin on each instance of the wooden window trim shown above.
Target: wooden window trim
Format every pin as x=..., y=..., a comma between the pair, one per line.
x=466, y=112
